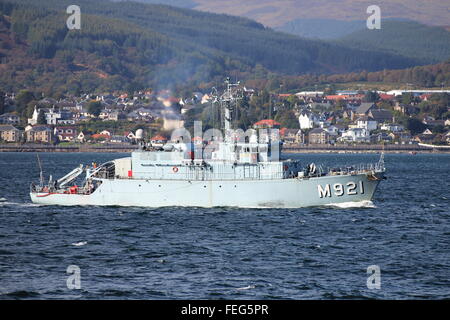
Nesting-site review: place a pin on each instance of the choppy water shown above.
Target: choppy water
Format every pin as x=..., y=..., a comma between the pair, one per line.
x=192, y=253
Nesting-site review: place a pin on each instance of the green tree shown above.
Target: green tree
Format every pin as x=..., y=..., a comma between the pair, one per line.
x=41, y=118
x=415, y=126
x=2, y=102
x=94, y=108
x=407, y=98
x=371, y=96
x=22, y=99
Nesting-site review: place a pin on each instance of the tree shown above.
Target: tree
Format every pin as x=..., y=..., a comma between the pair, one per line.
x=2, y=102
x=94, y=108
x=23, y=98
x=41, y=118
x=407, y=98
x=415, y=126
x=371, y=96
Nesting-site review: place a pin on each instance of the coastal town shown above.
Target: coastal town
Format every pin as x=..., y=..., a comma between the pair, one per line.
x=344, y=118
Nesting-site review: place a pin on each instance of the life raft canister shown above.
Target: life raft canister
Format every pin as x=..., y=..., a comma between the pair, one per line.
x=175, y=169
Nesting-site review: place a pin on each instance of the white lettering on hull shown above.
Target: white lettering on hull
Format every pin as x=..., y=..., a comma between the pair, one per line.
x=351, y=188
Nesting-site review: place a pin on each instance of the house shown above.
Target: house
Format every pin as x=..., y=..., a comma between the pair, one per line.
x=101, y=137
x=267, y=123
x=130, y=136
x=355, y=135
x=364, y=108
x=134, y=116
x=9, y=133
x=119, y=139
x=144, y=112
x=292, y=135
x=52, y=116
x=349, y=114
x=401, y=137
x=386, y=97
x=105, y=132
x=66, y=133
x=81, y=137
x=158, y=140
x=40, y=134
x=367, y=123
x=392, y=127
x=104, y=114
x=433, y=123
x=447, y=137
x=307, y=120
x=427, y=132
x=424, y=138
x=302, y=94
x=381, y=115
x=380, y=137
x=318, y=136
x=115, y=116
x=9, y=118
x=406, y=109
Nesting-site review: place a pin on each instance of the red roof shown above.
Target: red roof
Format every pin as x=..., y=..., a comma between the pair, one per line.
x=344, y=96
x=100, y=136
x=385, y=96
x=159, y=137
x=425, y=96
x=173, y=99
x=267, y=122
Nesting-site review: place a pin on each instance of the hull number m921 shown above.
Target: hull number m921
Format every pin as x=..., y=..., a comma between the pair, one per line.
x=339, y=189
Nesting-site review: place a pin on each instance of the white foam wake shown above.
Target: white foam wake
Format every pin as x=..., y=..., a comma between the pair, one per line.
x=246, y=288
x=79, y=244
x=20, y=204
x=353, y=204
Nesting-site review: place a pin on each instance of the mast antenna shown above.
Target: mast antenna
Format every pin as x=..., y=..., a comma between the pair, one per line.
x=41, y=176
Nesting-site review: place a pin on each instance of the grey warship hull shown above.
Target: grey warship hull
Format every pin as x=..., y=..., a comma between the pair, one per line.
x=276, y=193
x=239, y=169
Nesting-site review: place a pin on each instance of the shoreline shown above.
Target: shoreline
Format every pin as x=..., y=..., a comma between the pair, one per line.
x=406, y=149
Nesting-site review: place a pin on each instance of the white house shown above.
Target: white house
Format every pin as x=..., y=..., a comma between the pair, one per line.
x=307, y=120
x=392, y=127
x=106, y=132
x=355, y=135
x=81, y=137
x=367, y=123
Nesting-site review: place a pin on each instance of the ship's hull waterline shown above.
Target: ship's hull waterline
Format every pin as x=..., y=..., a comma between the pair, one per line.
x=277, y=193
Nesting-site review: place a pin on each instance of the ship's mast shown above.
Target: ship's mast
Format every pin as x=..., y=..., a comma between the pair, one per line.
x=228, y=101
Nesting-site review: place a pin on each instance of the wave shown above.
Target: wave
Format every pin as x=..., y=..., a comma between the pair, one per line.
x=246, y=288
x=353, y=204
x=21, y=204
x=79, y=244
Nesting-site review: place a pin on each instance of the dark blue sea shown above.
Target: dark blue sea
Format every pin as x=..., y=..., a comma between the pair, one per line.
x=229, y=253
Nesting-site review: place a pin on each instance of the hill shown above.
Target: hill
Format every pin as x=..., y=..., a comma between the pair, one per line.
x=322, y=28
x=407, y=38
x=275, y=13
x=141, y=45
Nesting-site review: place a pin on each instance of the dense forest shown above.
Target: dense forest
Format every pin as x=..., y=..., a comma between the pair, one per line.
x=135, y=45
x=407, y=38
x=437, y=75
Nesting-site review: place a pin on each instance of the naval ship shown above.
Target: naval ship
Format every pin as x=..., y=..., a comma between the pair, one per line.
x=236, y=171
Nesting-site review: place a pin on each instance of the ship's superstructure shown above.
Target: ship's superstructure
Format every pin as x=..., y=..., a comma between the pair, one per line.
x=239, y=169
